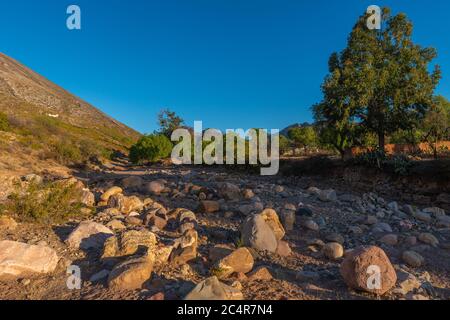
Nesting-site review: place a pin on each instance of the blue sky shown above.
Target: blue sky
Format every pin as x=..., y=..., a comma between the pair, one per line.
x=229, y=63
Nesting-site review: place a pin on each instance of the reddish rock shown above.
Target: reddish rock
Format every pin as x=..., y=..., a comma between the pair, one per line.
x=358, y=267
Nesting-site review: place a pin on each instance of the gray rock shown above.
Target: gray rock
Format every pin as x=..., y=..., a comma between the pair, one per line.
x=256, y=233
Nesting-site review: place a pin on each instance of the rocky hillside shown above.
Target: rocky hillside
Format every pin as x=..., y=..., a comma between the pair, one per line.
x=41, y=112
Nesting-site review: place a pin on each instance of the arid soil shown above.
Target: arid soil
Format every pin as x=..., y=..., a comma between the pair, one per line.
x=302, y=270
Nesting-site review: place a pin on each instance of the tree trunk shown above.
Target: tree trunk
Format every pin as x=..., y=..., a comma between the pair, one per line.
x=381, y=141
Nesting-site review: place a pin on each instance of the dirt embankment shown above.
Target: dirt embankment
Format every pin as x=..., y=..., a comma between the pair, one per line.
x=427, y=183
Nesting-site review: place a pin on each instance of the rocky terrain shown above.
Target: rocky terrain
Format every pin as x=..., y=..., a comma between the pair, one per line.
x=168, y=232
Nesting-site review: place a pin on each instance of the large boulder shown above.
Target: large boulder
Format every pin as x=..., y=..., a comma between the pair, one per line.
x=128, y=243
x=360, y=266
x=132, y=273
x=89, y=235
x=240, y=260
x=213, y=289
x=17, y=259
x=257, y=234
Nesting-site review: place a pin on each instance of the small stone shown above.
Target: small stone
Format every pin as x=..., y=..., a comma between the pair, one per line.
x=371, y=220
x=288, y=218
x=240, y=260
x=260, y=273
x=128, y=243
x=355, y=230
x=229, y=191
x=411, y=241
x=132, y=182
x=271, y=218
x=154, y=187
x=389, y=239
x=283, y=249
x=186, y=248
x=110, y=192
x=413, y=259
x=333, y=250
x=157, y=297
x=116, y=225
x=248, y=193
x=310, y=225
x=213, y=289
x=132, y=273
x=443, y=221
x=406, y=282
x=327, y=195
x=87, y=198
x=8, y=223
x=133, y=221
x=435, y=211
x=428, y=238
x=381, y=227
x=422, y=216
x=209, y=206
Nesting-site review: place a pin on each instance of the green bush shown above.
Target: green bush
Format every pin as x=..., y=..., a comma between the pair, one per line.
x=4, y=123
x=50, y=202
x=151, y=148
x=400, y=164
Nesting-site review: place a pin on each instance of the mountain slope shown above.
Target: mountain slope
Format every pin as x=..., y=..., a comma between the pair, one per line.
x=39, y=108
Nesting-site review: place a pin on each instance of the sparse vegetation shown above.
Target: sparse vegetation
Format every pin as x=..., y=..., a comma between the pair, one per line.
x=48, y=202
x=151, y=148
x=4, y=122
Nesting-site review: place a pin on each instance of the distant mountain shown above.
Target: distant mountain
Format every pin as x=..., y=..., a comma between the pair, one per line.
x=37, y=106
x=285, y=131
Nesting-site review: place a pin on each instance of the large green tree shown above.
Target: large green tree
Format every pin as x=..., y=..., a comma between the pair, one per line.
x=379, y=83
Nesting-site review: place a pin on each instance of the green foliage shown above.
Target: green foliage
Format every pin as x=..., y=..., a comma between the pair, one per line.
x=151, y=148
x=437, y=123
x=412, y=137
x=285, y=144
x=303, y=136
x=4, y=123
x=380, y=83
x=50, y=202
x=169, y=121
x=378, y=159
